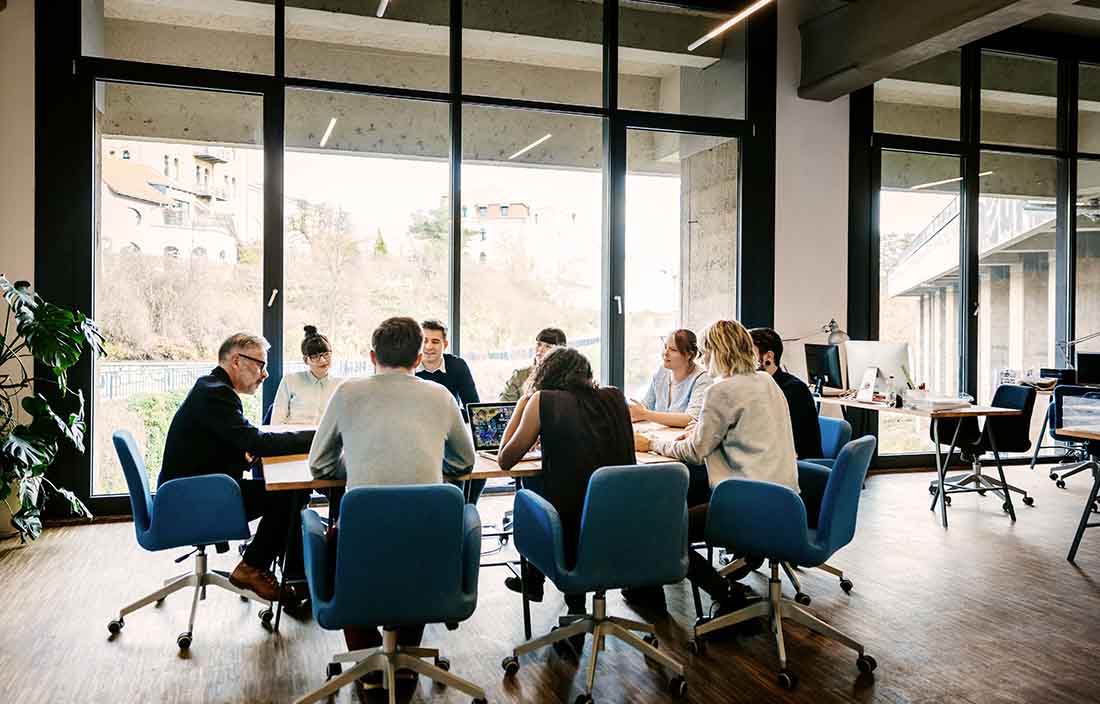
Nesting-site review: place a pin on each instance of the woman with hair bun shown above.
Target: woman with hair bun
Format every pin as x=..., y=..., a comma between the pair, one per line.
x=302, y=396
x=675, y=394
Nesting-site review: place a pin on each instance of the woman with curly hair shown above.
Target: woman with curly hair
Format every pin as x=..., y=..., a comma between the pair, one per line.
x=582, y=427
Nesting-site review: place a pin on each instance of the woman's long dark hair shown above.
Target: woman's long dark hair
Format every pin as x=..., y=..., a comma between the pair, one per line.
x=314, y=342
x=565, y=369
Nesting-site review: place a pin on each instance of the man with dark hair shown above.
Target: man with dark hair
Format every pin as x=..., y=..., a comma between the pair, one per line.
x=442, y=368
x=546, y=340
x=390, y=428
x=211, y=435
x=800, y=402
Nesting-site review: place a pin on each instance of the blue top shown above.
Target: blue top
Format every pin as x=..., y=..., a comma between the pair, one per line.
x=666, y=396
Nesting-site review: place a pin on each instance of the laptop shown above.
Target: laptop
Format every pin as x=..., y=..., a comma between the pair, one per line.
x=1088, y=368
x=487, y=424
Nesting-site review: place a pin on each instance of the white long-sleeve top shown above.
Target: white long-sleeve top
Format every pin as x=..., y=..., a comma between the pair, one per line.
x=301, y=398
x=744, y=430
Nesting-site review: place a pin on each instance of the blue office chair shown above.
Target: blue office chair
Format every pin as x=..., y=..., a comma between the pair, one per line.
x=405, y=556
x=197, y=511
x=1080, y=453
x=762, y=518
x=835, y=434
x=612, y=537
x=1073, y=451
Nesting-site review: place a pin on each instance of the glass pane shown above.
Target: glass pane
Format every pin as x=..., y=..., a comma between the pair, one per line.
x=367, y=219
x=179, y=252
x=1019, y=100
x=234, y=36
x=1088, y=255
x=665, y=67
x=1016, y=276
x=400, y=44
x=919, y=280
x=550, y=50
x=922, y=100
x=531, y=237
x=681, y=242
x=1088, y=105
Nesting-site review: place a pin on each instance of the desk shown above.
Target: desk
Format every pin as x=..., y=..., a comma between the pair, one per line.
x=943, y=487
x=1094, y=435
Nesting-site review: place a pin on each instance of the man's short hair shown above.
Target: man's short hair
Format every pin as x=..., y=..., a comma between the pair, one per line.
x=396, y=342
x=551, y=336
x=768, y=340
x=433, y=324
x=240, y=341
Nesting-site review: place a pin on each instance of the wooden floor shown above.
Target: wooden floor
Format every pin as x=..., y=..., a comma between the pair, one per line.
x=985, y=611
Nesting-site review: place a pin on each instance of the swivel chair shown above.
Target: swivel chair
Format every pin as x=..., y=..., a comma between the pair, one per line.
x=405, y=556
x=611, y=539
x=196, y=511
x=739, y=507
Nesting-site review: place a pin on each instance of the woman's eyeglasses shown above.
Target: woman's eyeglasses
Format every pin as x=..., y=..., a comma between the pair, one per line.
x=322, y=357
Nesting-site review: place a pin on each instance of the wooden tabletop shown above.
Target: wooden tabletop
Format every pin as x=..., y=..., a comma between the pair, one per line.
x=291, y=472
x=1092, y=433
x=968, y=411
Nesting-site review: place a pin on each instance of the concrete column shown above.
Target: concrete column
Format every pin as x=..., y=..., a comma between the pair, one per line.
x=1017, y=318
x=1052, y=306
x=950, y=346
x=985, y=327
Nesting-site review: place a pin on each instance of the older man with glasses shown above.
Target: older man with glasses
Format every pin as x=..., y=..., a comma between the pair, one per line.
x=211, y=435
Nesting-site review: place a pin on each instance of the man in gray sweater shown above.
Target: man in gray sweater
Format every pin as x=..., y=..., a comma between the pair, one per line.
x=390, y=428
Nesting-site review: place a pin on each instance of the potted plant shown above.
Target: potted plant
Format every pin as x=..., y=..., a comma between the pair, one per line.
x=30, y=441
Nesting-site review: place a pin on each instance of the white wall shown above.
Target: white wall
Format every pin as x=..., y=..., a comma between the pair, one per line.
x=17, y=140
x=811, y=208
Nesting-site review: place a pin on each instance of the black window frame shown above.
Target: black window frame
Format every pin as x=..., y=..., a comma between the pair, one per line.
x=65, y=83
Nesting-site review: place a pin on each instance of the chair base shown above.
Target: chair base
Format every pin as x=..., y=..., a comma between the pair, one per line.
x=1068, y=470
x=975, y=481
x=777, y=607
x=199, y=579
x=388, y=659
x=599, y=625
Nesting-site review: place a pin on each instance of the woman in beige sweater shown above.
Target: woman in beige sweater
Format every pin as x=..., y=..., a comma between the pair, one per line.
x=744, y=430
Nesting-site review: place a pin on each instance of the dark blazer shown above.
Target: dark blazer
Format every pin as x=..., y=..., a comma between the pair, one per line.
x=210, y=434
x=457, y=379
x=803, y=408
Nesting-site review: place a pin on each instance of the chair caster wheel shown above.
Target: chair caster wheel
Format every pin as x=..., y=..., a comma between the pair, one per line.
x=510, y=665
x=678, y=687
x=158, y=603
x=244, y=598
x=981, y=492
x=443, y=664
x=1029, y=501
x=846, y=585
x=652, y=640
x=1006, y=507
x=696, y=646
x=480, y=701
x=932, y=489
x=115, y=627
x=452, y=626
x=1053, y=477
x=701, y=620
x=802, y=598
x=947, y=500
x=1060, y=484
x=583, y=699
x=866, y=663
x=267, y=616
x=184, y=641
x=787, y=680
x=333, y=669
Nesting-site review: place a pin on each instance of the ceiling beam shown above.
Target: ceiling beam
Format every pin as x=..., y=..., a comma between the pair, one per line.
x=1084, y=10
x=856, y=44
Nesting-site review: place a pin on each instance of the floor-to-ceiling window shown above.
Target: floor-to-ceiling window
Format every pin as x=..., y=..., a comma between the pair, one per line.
x=1010, y=130
x=499, y=166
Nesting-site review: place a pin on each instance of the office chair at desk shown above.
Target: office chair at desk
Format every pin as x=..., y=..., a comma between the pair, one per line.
x=193, y=511
x=1082, y=461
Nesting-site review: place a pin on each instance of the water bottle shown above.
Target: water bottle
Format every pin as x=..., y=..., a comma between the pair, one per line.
x=891, y=392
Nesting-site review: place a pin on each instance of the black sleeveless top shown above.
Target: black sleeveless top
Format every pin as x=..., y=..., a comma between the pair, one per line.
x=581, y=432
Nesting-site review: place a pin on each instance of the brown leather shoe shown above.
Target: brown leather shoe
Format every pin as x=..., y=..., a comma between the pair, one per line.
x=254, y=579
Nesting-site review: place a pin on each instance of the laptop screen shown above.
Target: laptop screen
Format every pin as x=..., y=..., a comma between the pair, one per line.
x=487, y=423
x=1088, y=368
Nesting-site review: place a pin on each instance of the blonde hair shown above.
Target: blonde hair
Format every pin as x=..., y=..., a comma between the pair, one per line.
x=727, y=349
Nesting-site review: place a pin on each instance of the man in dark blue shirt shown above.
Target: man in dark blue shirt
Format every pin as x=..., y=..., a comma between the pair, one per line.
x=445, y=369
x=211, y=435
x=800, y=401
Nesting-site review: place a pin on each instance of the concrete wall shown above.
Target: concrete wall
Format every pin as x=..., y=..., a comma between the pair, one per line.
x=708, y=235
x=811, y=208
x=17, y=140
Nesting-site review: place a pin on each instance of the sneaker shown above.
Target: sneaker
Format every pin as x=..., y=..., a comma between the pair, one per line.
x=259, y=581
x=534, y=589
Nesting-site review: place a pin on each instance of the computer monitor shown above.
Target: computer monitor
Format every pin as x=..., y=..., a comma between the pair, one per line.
x=891, y=358
x=823, y=364
x=1088, y=367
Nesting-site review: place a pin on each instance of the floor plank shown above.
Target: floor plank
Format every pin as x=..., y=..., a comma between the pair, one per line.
x=986, y=611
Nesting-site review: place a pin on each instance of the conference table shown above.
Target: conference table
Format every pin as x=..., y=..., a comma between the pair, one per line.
x=943, y=486
x=290, y=473
x=1085, y=434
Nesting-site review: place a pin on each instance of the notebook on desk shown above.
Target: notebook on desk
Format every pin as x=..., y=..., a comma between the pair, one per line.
x=487, y=424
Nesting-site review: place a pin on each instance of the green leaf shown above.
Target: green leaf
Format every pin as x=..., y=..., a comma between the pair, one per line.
x=46, y=422
x=28, y=521
x=29, y=491
x=76, y=506
x=26, y=448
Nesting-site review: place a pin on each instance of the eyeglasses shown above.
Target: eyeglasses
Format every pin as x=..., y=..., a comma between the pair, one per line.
x=262, y=364
x=320, y=357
